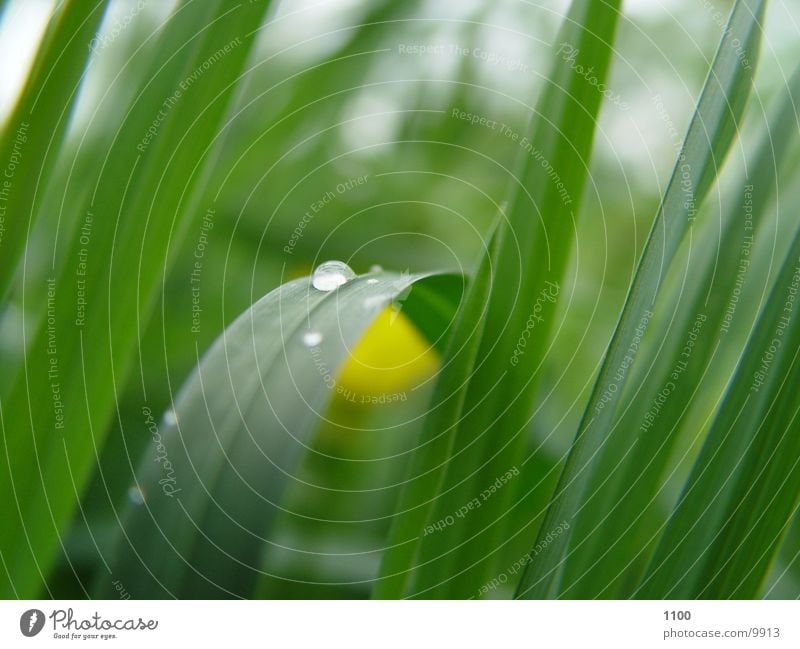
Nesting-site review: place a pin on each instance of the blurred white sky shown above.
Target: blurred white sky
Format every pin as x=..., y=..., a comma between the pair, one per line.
x=20, y=32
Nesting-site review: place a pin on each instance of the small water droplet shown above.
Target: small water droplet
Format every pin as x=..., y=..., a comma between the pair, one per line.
x=372, y=280
x=170, y=418
x=136, y=495
x=331, y=275
x=376, y=268
x=312, y=338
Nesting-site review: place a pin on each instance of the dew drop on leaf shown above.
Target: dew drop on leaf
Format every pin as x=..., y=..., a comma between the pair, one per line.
x=330, y=275
x=136, y=495
x=170, y=418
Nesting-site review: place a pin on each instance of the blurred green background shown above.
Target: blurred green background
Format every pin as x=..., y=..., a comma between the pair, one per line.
x=342, y=144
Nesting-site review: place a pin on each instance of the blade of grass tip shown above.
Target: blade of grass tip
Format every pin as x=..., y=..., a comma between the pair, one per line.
x=239, y=426
x=142, y=198
x=488, y=431
x=708, y=139
x=425, y=469
x=622, y=520
x=749, y=459
x=35, y=131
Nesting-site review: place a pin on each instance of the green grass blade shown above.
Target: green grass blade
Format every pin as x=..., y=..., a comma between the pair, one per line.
x=33, y=135
x=141, y=204
x=784, y=581
x=488, y=435
x=490, y=440
x=749, y=459
x=427, y=462
x=620, y=517
x=710, y=134
x=743, y=553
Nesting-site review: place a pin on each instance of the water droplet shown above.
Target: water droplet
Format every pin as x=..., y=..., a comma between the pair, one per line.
x=312, y=338
x=331, y=275
x=372, y=280
x=170, y=418
x=376, y=268
x=136, y=495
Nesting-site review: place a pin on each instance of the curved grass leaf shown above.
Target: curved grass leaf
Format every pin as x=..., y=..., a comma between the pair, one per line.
x=212, y=480
x=710, y=134
x=472, y=438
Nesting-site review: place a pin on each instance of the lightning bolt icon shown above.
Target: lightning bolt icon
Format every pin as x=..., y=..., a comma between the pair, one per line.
x=32, y=620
